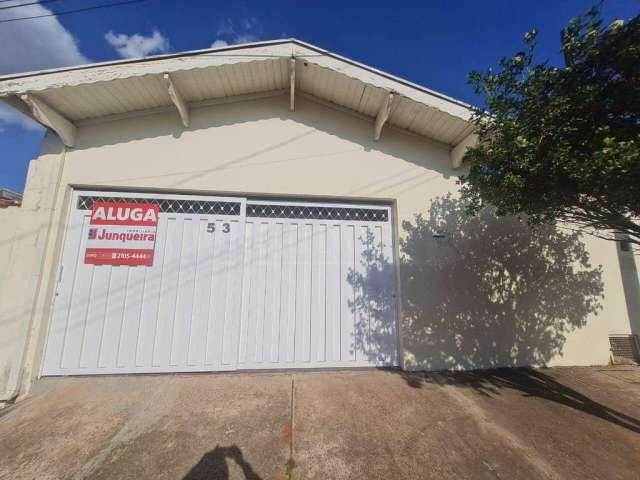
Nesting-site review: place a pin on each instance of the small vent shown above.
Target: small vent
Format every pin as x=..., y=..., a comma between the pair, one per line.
x=624, y=348
x=317, y=212
x=196, y=207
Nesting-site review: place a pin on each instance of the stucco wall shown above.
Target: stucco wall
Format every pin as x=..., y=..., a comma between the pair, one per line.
x=10, y=238
x=25, y=234
x=631, y=283
x=460, y=295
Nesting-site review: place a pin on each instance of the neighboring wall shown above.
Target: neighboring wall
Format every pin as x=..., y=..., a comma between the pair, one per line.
x=24, y=235
x=10, y=239
x=487, y=293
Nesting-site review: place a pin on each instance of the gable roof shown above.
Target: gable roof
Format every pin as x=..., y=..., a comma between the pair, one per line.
x=70, y=96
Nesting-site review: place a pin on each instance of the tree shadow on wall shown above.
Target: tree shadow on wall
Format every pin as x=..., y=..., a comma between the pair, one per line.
x=485, y=292
x=374, y=304
x=477, y=292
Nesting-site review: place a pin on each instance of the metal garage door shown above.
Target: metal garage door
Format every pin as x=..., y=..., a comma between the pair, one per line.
x=233, y=285
x=319, y=286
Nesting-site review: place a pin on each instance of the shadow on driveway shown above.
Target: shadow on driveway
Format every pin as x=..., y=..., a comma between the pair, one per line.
x=213, y=465
x=557, y=423
x=532, y=383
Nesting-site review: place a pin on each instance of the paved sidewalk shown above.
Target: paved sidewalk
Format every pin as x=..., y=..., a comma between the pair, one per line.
x=557, y=423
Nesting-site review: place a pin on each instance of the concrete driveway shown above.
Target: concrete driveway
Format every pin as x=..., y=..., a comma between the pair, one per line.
x=555, y=423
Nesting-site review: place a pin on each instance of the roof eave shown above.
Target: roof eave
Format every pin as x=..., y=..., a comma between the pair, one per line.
x=23, y=89
x=8, y=82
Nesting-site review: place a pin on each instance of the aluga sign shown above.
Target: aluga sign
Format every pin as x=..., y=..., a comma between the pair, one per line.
x=121, y=234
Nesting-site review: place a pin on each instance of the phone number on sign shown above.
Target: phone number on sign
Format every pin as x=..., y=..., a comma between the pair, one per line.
x=130, y=256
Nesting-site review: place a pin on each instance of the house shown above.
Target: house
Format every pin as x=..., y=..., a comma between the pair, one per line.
x=274, y=205
x=9, y=198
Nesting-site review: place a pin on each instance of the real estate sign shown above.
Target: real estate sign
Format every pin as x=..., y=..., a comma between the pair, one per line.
x=121, y=234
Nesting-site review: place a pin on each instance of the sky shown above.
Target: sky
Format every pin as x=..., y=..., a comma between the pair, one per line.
x=435, y=43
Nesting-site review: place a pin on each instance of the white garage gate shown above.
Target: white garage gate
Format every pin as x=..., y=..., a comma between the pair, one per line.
x=235, y=284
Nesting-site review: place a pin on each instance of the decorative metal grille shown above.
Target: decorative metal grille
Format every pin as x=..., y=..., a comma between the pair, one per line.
x=317, y=212
x=167, y=205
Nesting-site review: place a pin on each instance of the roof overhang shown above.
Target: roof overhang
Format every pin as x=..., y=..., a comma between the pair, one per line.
x=63, y=99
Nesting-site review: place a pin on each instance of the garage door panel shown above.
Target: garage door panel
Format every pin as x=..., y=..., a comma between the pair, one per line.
x=375, y=297
x=90, y=318
x=319, y=319
x=293, y=285
x=367, y=242
x=202, y=296
x=271, y=336
x=257, y=282
x=318, y=297
x=247, y=288
x=334, y=288
x=77, y=297
x=62, y=306
x=303, y=294
x=117, y=290
x=289, y=283
x=186, y=288
x=384, y=289
x=168, y=292
x=263, y=308
x=96, y=312
x=215, y=337
x=361, y=316
x=233, y=294
x=347, y=317
x=120, y=319
x=131, y=320
x=151, y=300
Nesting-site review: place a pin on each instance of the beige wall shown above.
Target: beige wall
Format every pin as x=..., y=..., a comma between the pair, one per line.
x=259, y=147
x=25, y=238
x=10, y=239
x=631, y=283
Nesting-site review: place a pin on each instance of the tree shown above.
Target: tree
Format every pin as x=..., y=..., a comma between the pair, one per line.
x=563, y=144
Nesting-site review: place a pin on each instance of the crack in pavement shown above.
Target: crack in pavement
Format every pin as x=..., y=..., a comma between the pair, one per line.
x=290, y=465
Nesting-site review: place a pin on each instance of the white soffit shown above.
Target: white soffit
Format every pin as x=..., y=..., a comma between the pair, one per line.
x=100, y=90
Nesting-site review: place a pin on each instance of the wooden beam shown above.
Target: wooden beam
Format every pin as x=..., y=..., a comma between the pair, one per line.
x=458, y=152
x=292, y=84
x=383, y=116
x=49, y=117
x=177, y=100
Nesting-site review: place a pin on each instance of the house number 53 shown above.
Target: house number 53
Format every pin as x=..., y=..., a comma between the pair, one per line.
x=211, y=227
